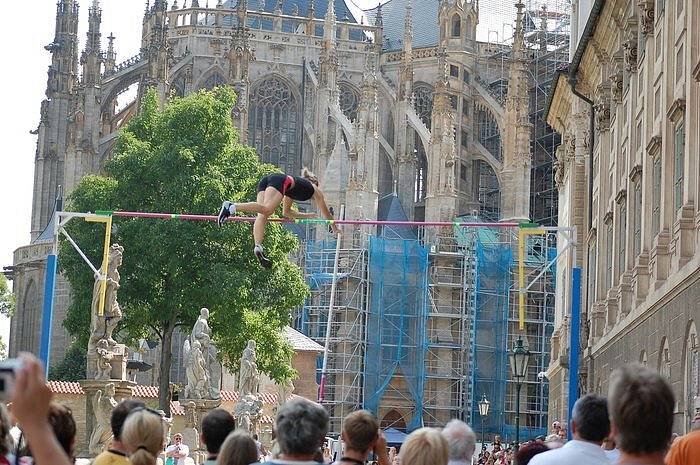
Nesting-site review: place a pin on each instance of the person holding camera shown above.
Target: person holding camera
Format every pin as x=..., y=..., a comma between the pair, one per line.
x=361, y=435
x=177, y=451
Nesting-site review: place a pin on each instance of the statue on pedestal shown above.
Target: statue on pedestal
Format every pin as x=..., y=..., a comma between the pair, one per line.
x=247, y=413
x=202, y=366
x=197, y=378
x=248, y=376
x=102, y=406
x=190, y=435
x=104, y=360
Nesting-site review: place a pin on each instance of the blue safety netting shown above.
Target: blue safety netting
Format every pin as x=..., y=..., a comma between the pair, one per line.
x=396, y=340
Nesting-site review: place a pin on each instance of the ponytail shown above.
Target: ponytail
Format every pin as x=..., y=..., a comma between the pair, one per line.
x=307, y=174
x=142, y=456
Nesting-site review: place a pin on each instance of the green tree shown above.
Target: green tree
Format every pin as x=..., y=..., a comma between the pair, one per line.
x=185, y=158
x=7, y=298
x=72, y=367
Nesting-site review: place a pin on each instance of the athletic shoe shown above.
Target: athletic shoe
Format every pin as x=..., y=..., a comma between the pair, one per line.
x=225, y=212
x=260, y=255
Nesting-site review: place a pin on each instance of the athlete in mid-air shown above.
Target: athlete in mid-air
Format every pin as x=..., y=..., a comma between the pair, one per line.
x=273, y=190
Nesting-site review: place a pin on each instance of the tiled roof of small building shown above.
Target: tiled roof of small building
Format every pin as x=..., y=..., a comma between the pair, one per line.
x=300, y=342
x=151, y=392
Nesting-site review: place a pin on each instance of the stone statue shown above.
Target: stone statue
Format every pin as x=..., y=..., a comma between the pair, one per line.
x=202, y=334
x=197, y=379
x=103, y=326
x=102, y=407
x=104, y=359
x=249, y=377
x=167, y=424
x=247, y=413
x=284, y=390
x=190, y=435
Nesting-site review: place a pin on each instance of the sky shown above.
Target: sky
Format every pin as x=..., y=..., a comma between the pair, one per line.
x=22, y=87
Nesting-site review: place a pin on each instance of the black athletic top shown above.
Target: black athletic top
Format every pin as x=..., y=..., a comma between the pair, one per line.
x=303, y=189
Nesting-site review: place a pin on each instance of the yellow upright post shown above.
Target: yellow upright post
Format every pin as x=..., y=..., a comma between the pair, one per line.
x=523, y=234
x=105, y=257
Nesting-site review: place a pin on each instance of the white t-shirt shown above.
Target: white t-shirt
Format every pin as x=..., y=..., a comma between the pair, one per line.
x=184, y=451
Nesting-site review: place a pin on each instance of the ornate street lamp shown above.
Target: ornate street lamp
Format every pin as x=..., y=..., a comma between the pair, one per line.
x=519, y=359
x=484, y=405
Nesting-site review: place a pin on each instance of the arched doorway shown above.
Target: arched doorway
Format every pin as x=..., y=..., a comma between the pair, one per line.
x=393, y=419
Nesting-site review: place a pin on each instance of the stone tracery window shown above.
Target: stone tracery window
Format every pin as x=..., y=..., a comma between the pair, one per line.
x=178, y=87
x=423, y=102
x=273, y=125
x=215, y=80
x=349, y=101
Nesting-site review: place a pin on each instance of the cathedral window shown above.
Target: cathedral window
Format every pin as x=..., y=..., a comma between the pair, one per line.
x=215, y=80
x=349, y=101
x=638, y=217
x=421, y=180
x=423, y=102
x=273, y=125
x=622, y=238
x=593, y=267
x=609, y=256
x=456, y=26
x=454, y=71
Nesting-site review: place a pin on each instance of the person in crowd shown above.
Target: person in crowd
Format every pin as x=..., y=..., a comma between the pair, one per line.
x=64, y=429
x=239, y=448
x=553, y=441
x=262, y=451
x=686, y=449
x=216, y=426
x=143, y=435
x=590, y=425
x=556, y=427
x=641, y=414
x=361, y=435
x=425, y=446
x=31, y=406
x=528, y=451
x=611, y=451
x=300, y=430
x=177, y=450
x=7, y=443
x=117, y=453
x=461, y=440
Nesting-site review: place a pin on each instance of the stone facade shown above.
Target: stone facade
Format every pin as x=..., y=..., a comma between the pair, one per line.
x=632, y=195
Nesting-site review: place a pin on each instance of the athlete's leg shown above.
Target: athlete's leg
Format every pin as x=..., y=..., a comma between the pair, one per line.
x=269, y=201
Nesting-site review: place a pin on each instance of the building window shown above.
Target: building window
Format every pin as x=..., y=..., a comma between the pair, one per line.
x=488, y=134
x=622, y=238
x=456, y=26
x=609, y=256
x=454, y=71
x=678, y=162
x=273, y=127
x=656, y=197
x=465, y=75
x=421, y=180
x=464, y=139
x=463, y=172
x=215, y=80
x=349, y=101
x=638, y=217
x=592, y=266
x=423, y=102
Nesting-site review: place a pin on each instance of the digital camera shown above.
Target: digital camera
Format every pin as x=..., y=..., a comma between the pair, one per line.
x=8, y=370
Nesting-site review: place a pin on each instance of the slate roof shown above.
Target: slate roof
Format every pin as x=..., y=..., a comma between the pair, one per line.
x=342, y=12
x=390, y=209
x=425, y=23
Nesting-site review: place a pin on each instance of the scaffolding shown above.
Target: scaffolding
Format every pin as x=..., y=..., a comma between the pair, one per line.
x=495, y=328
x=547, y=30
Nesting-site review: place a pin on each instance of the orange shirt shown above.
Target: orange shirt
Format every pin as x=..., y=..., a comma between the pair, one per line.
x=685, y=450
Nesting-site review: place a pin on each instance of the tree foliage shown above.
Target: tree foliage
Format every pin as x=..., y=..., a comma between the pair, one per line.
x=185, y=158
x=7, y=298
x=72, y=367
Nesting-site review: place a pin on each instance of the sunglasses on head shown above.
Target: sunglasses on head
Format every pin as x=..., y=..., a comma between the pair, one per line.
x=146, y=409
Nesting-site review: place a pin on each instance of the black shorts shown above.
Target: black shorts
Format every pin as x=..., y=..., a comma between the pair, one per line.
x=280, y=182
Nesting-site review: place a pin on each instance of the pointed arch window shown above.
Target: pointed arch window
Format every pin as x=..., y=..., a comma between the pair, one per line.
x=423, y=102
x=456, y=26
x=273, y=124
x=215, y=80
x=178, y=87
x=349, y=101
x=421, y=181
x=489, y=135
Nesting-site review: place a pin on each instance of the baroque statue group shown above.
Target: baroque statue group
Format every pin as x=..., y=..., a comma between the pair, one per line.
x=107, y=374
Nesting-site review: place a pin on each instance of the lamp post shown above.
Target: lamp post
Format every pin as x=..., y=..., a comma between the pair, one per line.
x=484, y=405
x=519, y=359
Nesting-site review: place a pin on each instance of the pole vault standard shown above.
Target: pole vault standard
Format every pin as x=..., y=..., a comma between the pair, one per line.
x=524, y=231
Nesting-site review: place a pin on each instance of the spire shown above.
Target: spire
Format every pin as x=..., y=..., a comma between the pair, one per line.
x=175, y=5
x=311, y=12
x=278, y=7
x=329, y=26
x=64, y=49
x=111, y=55
x=93, y=35
x=379, y=20
x=443, y=73
x=518, y=34
x=408, y=28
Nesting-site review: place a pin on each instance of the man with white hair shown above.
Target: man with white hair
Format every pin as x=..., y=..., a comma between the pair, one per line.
x=462, y=441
